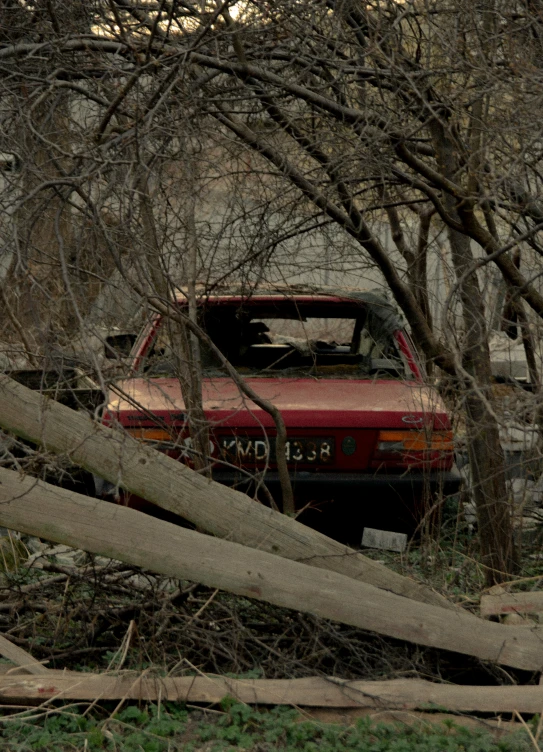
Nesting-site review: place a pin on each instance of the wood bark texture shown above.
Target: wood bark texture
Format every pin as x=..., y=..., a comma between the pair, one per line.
x=118, y=458
x=37, y=508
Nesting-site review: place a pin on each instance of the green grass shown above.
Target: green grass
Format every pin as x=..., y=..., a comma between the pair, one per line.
x=239, y=727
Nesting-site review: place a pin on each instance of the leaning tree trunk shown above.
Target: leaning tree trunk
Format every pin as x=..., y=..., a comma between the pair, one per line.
x=486, y=457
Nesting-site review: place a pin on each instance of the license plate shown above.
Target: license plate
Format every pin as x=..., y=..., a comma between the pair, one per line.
x=252, y=451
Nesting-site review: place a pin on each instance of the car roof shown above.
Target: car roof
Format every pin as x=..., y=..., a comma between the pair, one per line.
x=268, y=291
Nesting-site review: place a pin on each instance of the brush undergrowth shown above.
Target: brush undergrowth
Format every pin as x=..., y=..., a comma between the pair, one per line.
x=95, y=615
x=171, y=727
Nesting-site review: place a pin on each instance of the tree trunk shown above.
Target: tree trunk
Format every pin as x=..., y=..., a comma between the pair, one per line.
x=486, y=457
x=40, y=280
x=420, y=271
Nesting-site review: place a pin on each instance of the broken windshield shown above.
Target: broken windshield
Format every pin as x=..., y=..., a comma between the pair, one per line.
x=287, y=338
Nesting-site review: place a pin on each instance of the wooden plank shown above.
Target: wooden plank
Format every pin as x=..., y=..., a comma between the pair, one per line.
x=20, y=657
x=117, y=457
x=398, y=694
x=512, y=603
x=40, y=509
x=330, y=714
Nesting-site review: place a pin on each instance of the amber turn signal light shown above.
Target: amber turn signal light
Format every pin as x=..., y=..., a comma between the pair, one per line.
x=150, y=434
x=415, y=441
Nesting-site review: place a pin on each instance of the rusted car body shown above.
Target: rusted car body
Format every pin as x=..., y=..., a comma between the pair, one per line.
x=368, y=441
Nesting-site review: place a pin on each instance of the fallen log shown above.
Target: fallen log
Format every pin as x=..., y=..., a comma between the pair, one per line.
x=396, y=694
x=36, y=508
x=117, y=457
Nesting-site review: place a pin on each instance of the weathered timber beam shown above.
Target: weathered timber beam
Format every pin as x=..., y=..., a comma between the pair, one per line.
x=404, y=694
x=117, y=457
x=37, y=508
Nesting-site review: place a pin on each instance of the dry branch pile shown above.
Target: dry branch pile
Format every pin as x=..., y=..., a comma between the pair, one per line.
x=68, y=615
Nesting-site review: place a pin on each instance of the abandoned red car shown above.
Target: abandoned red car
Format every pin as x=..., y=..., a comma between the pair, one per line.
x=368, y=441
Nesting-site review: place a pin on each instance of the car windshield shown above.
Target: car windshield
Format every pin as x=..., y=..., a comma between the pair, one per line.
x=287, y=338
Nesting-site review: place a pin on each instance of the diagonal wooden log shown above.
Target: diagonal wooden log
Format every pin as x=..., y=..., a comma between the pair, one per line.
x=20, y=657
x=318, y=692
x=37, y=508
x=117, y=457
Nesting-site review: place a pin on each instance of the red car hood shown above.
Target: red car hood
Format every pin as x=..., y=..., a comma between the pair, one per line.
x=311, y=403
